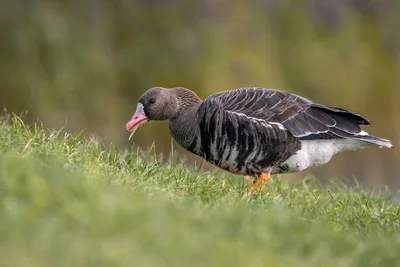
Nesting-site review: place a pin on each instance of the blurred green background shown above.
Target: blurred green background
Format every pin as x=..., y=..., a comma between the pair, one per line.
x=83, y=64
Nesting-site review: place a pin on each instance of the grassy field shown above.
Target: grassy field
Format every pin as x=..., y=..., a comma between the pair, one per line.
x=66, y=201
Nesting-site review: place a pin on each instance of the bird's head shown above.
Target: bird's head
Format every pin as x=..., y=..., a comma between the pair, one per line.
x=159, y=103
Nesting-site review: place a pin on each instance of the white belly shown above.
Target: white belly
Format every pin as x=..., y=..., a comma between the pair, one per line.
x=314, y=153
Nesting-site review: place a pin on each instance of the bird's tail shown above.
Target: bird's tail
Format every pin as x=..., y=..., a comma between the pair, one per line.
x=381, y=142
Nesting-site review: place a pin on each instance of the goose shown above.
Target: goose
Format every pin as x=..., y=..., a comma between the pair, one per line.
x=255, y=131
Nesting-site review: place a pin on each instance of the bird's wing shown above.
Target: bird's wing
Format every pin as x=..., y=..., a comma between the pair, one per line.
x=303, y=118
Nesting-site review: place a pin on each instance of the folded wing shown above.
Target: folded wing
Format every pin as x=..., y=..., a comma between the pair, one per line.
x=303, y=118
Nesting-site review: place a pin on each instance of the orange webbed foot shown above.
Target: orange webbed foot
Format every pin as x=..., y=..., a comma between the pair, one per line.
x=259, y=182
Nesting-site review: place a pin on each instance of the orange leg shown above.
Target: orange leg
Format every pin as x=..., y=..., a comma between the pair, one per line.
x=259, y=182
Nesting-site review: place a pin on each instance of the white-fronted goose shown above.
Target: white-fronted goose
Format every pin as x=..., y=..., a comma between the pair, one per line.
x=255, y=131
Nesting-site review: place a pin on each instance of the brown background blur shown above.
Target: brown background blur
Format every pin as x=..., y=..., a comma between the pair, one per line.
x=84, y=64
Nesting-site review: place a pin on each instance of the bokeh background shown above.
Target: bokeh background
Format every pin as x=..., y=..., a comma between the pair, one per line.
x=83, y=64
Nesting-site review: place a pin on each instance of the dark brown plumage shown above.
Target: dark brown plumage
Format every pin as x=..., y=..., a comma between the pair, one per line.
x=255, y=131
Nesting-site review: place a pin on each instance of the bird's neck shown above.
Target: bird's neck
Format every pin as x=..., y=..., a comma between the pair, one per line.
x=184, y=128
x=186, y=98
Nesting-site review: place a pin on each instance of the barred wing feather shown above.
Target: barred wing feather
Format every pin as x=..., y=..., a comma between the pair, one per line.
x=303, y=118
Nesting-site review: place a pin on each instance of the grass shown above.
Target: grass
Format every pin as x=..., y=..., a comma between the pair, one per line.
x=67, y=201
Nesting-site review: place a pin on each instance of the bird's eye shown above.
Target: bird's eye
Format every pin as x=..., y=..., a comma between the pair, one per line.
x=152, y=101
